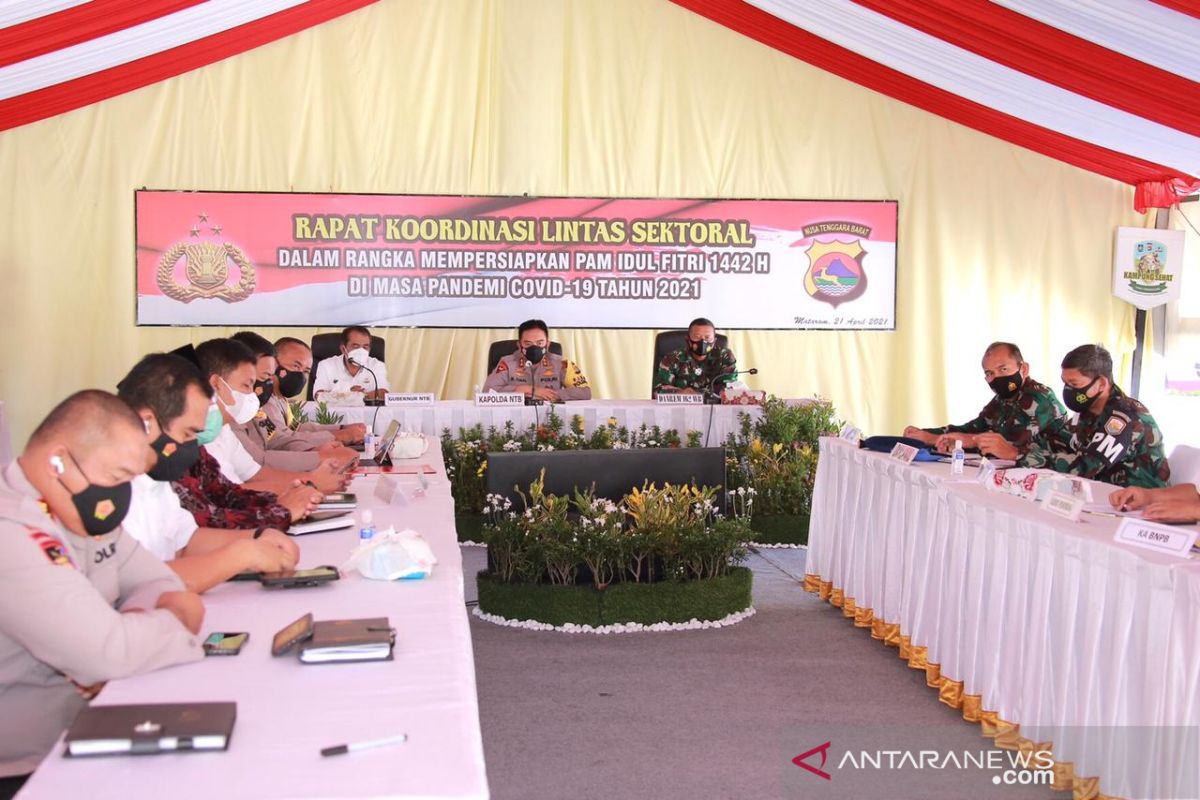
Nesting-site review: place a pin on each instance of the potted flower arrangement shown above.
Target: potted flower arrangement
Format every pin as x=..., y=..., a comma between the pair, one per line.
x=776, y=456
x=660, y=556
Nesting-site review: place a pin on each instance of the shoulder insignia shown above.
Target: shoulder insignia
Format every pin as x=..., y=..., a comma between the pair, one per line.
x=52, y=548
x=502, y=366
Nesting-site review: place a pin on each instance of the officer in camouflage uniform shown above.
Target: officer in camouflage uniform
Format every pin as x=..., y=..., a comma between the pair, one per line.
x=1007, y=426
x=1114, y=440
x=536, y=372
x=701, y=367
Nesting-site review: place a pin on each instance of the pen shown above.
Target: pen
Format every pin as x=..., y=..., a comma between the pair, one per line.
x=342, y=749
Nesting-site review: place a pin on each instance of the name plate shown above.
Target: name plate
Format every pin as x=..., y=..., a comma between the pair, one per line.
x=500, y=399
x=1152, y=536
x=1064, y=505
x=850, y=434
x=409, y=399
x=986, y=473
x=677, y=399
x=904, y=452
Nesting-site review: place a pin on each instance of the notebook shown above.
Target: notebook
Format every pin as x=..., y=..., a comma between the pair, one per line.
x=150, y=728
x=337, y=640
x=320, y=521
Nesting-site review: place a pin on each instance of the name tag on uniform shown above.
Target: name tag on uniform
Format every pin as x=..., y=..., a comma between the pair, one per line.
x=499, y=399
x=678, y=399
x=1064, y=505
x=1152, y=536
x=409, y=399
x=904, y=453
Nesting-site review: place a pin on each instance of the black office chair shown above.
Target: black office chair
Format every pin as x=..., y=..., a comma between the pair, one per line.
x=325, y=345
x=667, y=341
x=506, y=347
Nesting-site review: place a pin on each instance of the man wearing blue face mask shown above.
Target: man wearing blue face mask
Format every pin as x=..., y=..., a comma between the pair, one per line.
x=1113, y=439
x=231, y=370
x=71, y=578
x=172, y=399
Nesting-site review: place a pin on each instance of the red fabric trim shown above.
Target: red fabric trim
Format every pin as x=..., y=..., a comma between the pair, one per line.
x=782, y=36
x=1189, y=7
x=1162, y=194
x=63, y=97
x=1053, y=56
x=52, y=32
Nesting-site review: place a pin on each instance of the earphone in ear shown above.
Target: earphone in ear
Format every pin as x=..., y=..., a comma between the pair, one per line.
x=57, y=463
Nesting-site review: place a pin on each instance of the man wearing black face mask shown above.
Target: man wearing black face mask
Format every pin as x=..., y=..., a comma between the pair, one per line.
x=1114, y=439
x=172, y=399
x=267, y=443
x=699, y=368
x=536, y=372
x=1021, y=409
x=294, y=363
x=71, y=578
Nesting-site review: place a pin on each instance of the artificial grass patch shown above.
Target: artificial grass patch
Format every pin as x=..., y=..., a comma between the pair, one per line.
x=780, y=528
x=646, y=603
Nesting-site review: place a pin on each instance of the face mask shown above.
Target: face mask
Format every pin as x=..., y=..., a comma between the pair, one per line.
x=212, y=426
x=1078, y=399
x=535, y=353
x=702, y=347
x=263, y=390
x=245, y=405
x=1006, y=386
x=101, y=508
x=358, y=356
x=174, y=458
x=291, y=383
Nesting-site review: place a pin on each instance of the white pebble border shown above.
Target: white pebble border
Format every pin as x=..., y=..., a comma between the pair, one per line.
x=779, y=546
x=469, y=543
x=623, y=627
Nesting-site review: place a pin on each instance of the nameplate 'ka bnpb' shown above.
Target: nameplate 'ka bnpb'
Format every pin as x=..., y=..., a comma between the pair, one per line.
x=1163, y=538
x=904, y=452
x=501, y=399
x=679, y=399
x=409, y=399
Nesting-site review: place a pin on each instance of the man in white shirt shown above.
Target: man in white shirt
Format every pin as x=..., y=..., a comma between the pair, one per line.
x=230, y=368
x=352, y=371
x=173, y=400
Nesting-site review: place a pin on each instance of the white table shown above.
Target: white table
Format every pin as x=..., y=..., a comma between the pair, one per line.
x=716, y=421
x=288, y=711
x=1019, y=616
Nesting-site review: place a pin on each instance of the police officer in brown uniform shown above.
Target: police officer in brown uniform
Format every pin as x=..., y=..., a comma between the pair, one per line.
x=71, y=578
x=536, y=372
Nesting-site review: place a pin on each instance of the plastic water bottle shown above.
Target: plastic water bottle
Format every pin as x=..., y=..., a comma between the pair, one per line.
x=959, y=458
x=367, y=531
x=369, y=445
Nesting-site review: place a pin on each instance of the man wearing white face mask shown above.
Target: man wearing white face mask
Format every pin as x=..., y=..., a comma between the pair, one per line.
x=230, y=368
x=352, y=370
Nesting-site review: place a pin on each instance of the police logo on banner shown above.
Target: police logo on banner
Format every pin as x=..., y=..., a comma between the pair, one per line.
x=1146, y=266
x=206, y=267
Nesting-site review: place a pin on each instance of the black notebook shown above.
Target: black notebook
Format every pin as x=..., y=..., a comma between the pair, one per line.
x=151, y=728
x=349, y=640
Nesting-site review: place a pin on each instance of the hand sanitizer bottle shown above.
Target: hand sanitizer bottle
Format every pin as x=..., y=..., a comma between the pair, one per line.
x=959, y=458
x=369, y=445
x=367, y=531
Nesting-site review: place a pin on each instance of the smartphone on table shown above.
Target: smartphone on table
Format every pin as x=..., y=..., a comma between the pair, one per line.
x=224, y=644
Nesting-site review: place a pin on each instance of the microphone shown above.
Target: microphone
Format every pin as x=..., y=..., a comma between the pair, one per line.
x=712, y=385
x=359, y=356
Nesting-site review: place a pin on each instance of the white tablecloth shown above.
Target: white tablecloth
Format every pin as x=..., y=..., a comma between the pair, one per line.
x=288, y=711
x=715, y=421
x=1053, y=625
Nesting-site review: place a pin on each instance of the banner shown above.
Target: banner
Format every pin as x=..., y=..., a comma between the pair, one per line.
x=238, y=258
x=1147, y=265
